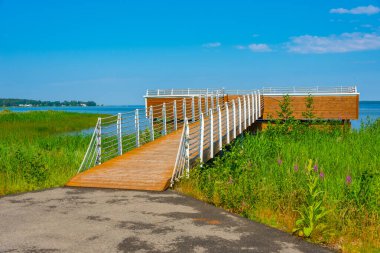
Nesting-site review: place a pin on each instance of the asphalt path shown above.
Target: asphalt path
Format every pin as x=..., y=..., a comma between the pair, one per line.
x=100, y=220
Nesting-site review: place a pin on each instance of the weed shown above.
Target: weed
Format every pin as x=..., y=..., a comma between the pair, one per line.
x=312, y=211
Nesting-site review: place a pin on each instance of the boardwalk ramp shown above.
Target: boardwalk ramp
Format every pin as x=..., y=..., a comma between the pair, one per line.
x=148, y=167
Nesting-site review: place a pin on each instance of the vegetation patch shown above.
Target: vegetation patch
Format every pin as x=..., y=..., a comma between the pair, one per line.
x=36, y=151
x=320, y=183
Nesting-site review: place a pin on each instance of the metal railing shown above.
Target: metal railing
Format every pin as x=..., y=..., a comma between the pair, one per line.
x=117, y=134
x=266, y=90
x=238, y=92
x=202, y=140
x=184, y=92
x=309, y=90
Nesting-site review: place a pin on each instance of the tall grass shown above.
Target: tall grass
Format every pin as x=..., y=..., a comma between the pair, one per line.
x=264, y=177
x=36, y=151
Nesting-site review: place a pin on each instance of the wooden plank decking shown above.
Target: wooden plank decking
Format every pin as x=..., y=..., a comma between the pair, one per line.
x=148, y=167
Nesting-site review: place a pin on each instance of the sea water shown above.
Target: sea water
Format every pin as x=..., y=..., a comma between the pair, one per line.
x=368, y=110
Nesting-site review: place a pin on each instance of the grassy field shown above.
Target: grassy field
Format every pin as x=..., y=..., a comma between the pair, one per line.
x=35, y=150
x=323, y=185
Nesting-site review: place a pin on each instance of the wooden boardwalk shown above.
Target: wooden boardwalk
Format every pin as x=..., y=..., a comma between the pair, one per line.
x=154, y=165
x=148, y=167
x=215, y=122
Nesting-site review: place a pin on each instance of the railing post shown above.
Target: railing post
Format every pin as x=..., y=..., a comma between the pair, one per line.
x=200, y=105
x=220, y=128
x=245, y=112
x=239, y=109
x=234, y=117
x=137, y=128
x=259, y=103
x=119, y=135
x=151, y=118
x=201, y=137
x=175, y=114
x=184, y=110
x=253, y=108
x=164, y=119
x=99, y=142
x=211, y=118
x=217, y=100
x=206, y=103
x=187, y=147
x=192, y=109
x=212, y=101
x=248, y=110
x=227, y=122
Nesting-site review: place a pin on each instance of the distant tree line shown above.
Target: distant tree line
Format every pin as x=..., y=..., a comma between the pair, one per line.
x=7, y=102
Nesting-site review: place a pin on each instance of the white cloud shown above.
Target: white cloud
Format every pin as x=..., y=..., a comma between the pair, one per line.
x=369, y=10
x=259, y=48
x=212, y=45
x=346, y=42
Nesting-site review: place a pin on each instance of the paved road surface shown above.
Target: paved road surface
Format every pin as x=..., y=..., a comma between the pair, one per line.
x=96, y=220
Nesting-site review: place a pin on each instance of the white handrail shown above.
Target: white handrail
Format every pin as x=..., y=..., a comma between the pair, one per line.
x=201, y=137
x=309, y=90
x=89, y=147
x=180, y=156
x=265, y=90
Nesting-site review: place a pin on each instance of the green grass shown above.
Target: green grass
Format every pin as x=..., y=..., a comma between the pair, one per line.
x=35, y=150
x=264, y=177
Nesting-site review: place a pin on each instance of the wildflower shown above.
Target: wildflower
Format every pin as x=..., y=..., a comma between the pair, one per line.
x=315, y=168
x=279, y=161
x=296, y=167
x=348, y=180
x=322, y=175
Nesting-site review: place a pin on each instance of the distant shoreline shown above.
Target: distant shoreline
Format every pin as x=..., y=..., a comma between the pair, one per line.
x=21, y=102
x=34, y=106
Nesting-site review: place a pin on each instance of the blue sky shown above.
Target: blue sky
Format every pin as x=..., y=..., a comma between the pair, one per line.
x=112, y=51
